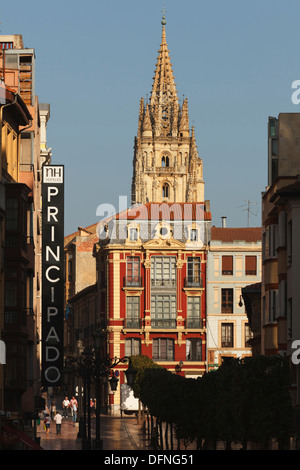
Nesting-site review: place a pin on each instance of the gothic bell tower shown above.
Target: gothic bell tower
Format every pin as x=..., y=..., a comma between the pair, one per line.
x=166, y=166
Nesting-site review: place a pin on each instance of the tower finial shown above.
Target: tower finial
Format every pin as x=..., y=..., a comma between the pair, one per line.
x=163, y=21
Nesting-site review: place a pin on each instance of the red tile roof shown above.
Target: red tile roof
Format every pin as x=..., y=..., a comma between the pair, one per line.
x=229, y=234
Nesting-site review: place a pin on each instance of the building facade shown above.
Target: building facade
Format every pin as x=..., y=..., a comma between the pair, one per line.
x=234, y=261
x=21, y=242
x=151, y=267
x=151, y=259
x=280, y=324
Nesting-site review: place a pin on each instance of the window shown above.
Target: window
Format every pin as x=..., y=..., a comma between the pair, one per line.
x=11, y=293
x=163, y=271
x=132, y=312
x=193, y=235
x=12, y=220
x=264, y=310
x=132, y=347
x=274, y=147
x=133, y=234
x=227, y=335
x=273, y=241
x=250, y=265
x=13, y=296
x=194, y=349
x=70, y=267
x=273, y=127
x=133, y=271
x=265, y=245
x=227, y=265
x=227, y=301
x=163, y=311
x=273, y=295
x=247, y=334
x=165, y=161
x=194, y=271
x=165, y=190
x=163, y=349
x=194, y=312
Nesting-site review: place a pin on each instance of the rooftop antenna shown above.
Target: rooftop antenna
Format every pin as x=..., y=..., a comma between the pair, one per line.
x=247, y=208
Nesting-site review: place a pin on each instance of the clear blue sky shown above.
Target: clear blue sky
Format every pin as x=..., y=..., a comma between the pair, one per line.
x=235, y=61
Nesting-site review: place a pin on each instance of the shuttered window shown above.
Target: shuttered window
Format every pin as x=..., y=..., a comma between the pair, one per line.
x=227, y=265
x=250, y=265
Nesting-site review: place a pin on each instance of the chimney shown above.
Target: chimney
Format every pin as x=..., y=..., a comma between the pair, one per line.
x=224, y=222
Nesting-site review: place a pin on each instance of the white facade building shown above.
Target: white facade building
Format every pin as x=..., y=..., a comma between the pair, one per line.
x=234, y=261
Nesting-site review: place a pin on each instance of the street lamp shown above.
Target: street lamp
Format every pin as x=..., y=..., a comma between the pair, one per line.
x=130, y=374
x=178, y=367
x=91, y=367
x=113, y=381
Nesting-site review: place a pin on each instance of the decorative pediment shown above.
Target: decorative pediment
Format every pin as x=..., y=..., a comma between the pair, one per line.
x=163, y=243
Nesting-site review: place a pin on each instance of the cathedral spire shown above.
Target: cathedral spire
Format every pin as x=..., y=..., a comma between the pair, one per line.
x=164, y=93
x=166, y=167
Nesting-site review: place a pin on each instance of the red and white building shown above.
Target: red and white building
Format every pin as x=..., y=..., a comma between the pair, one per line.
x=151, y=266
x=151, y=258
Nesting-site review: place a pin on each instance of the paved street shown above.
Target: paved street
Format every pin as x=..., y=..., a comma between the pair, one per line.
x=116, y=433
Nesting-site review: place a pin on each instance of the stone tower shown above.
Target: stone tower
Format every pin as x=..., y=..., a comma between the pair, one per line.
x=166, y=166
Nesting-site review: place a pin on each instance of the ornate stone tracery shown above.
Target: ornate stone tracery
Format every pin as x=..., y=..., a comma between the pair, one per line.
x=165, y=144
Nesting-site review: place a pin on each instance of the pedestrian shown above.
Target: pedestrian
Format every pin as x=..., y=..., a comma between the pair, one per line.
x=72, y=401
x=53, y=411
x=47, y=424
x=58, y=419
x=74, y=410
x=66, y=405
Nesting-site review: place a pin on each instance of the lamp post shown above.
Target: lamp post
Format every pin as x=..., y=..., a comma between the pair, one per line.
x=91, y=367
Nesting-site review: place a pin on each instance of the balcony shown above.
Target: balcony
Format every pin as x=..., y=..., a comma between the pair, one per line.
x=194, y=282
x=133, y=323
x=195, y=323
x=163, y=323
x=132, y=281
x=163, y=282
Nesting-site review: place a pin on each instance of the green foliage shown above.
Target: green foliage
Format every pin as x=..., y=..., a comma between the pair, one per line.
x=140, y=364
x=244, y=400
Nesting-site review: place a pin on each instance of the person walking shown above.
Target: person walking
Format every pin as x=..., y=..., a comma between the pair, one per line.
x=47, y=421
x=53, y=411
x=66, y=405
x=74, y=410
x=72, y=402
x=58, y=419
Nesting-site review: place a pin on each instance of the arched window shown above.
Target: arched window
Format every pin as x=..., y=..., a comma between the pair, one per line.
x=165, y=190
x=165, y=161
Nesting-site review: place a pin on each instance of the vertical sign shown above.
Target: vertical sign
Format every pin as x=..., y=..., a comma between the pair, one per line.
x=52, y=274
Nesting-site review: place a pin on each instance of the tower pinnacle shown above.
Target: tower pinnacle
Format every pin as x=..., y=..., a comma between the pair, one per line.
x=166, y=165
x=163, y=21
